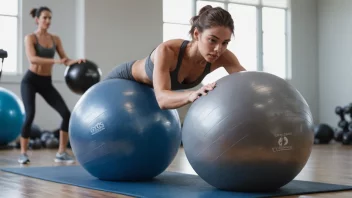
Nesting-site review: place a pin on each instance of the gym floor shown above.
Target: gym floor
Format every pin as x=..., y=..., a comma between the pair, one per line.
x=328, y=163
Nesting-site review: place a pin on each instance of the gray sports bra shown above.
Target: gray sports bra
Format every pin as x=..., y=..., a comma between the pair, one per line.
x=43, y=51
x=175, y=85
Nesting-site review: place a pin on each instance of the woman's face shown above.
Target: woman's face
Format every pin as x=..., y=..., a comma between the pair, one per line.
x=212, y=42
x=44, y=19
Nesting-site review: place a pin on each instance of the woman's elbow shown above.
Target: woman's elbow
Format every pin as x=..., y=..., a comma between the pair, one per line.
x=161, y=101
x=161, y=104
x=32, y=60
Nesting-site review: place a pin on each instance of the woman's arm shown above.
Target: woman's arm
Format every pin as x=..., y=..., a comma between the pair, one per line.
x=33, y=58
x=166, y=98
x=230, y=62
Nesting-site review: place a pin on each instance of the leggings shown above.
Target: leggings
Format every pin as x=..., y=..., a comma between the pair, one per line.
x=32, y=84
x=123, y=71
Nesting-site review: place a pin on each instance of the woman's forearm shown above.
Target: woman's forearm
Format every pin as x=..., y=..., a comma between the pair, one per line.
x=172, y=100
x=42, y=61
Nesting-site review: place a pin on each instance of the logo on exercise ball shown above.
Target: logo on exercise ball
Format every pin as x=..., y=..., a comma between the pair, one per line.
x=283, y=142
x=91, y=73
x=97, y=128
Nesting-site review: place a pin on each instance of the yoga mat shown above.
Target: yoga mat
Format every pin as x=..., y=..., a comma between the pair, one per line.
x=167, y=184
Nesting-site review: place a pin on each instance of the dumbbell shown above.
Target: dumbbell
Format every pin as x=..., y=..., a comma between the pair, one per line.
x=340, y=112
x=343, y=124
x=49, y=140
x=35, y=144
x=347, y=136
x=347, y=109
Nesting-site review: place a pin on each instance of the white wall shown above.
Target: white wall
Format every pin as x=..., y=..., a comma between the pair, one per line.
x=304, y=52
x=110, y=32
x=80, y=28
x=335, y=60
x=120, y=31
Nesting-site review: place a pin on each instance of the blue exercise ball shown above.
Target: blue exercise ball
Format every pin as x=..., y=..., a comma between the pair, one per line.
x=119, y=133
x=253, y=132
x=12, y=116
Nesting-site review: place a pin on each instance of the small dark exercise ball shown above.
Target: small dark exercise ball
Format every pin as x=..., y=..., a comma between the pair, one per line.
x=36, y=132
x=12, y=116
x=123, y=136
x=80, y=77
x=253, y=132
x=323, y=134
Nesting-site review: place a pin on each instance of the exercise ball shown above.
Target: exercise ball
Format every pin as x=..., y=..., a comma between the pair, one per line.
x=253, y=132
x=123, y=136
x=323, y=133
x=12, y=116
x=36, y=132
x=80, y=77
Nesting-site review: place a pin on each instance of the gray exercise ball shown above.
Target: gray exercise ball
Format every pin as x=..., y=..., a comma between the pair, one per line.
x=253, y=132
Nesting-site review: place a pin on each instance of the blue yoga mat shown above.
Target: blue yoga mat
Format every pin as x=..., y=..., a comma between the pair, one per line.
x=167, y=184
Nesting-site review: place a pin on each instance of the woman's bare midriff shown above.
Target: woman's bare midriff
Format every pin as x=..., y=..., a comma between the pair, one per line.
x=41, y=70
x=139, y=73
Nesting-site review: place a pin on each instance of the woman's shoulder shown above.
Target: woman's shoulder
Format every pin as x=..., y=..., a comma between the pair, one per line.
x=29, y=36
x=172, y=45
x=167, y=51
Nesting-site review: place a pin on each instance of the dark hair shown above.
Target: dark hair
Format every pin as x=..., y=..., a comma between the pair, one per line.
x=210, y=17
x=35, y=12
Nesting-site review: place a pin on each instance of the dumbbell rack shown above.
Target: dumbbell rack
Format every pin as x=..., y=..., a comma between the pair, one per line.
x=344, y=132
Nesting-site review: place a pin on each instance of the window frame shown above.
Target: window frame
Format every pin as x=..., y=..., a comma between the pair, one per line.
x=18, y=68
x=260, y=49
x=193, y=13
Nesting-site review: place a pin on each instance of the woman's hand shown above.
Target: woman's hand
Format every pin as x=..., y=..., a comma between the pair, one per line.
x=71, y=62
x=201, y=92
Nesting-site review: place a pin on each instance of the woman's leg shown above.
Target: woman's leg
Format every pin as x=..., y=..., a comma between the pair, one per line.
x=28, y=92
x=54, y=99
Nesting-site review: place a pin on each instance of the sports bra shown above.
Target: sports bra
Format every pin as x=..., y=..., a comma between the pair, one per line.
x=175, y=85
x=43, y=51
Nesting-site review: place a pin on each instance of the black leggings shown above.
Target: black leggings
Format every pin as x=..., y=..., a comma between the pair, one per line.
x=32, y=84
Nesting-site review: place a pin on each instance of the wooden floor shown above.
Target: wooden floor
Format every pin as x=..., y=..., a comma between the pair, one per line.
x=328, y=163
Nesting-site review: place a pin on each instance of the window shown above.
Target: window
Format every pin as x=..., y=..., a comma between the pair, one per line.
x=245, y=42
x=176, y=18
x=9, y=34
x=260, y=35
x=274, y=41
x=201, y=4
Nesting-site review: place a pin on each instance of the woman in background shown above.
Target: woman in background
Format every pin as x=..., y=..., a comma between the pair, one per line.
x=41, y=47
